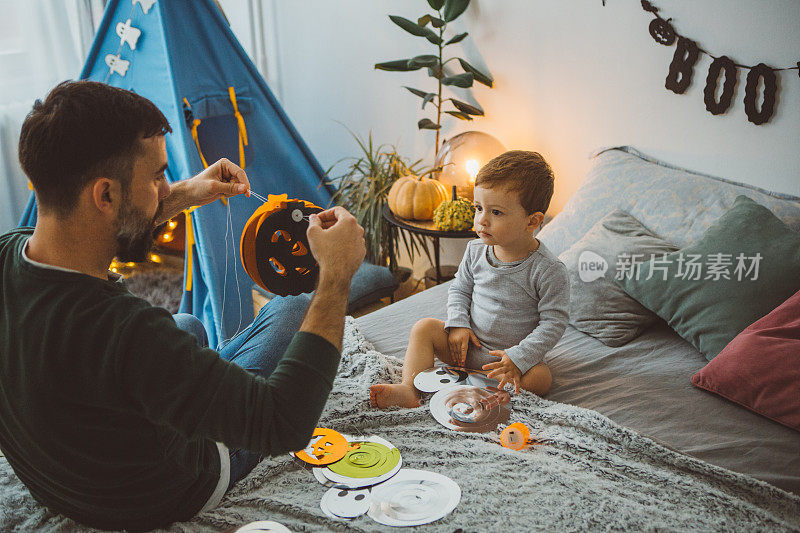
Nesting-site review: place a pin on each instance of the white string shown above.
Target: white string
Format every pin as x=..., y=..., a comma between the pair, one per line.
x=225, y=282
x=259, y=197
x=238, y=291
x=229, y=228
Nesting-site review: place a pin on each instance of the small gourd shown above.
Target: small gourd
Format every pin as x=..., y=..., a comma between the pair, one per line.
x=456, y=215
x=416, y=198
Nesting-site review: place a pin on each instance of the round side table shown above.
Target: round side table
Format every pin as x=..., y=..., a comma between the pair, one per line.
x=427, y=229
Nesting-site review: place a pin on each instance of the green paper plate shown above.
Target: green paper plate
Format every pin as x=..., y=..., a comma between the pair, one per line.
x=371, y=459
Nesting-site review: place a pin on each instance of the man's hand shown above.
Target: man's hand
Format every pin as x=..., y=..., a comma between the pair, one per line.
x=458, y=339
x=504, y=370
x=223, y=179
x=337, y=242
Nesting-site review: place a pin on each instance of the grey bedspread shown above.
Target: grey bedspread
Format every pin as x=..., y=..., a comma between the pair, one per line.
x=643, y=385
x=591, y=475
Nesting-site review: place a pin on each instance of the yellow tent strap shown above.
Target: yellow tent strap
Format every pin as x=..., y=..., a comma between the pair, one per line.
x=189, y=247
x=193, y=127
x=242, y=128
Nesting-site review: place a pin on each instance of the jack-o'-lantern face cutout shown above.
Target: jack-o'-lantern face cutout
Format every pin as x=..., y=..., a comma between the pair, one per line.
x=661, y=30
x=274, y=247
x=326, y=446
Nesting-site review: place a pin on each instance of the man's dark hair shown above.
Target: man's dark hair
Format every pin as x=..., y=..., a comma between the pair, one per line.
x=84, y=130
x=522, y=172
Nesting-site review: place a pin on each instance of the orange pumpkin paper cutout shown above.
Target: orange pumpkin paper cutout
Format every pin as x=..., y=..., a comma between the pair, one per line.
x=515, y=436
x=329, y=447
x=274, y=247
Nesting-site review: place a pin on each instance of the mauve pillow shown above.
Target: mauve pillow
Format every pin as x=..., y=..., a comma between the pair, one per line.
x=760, y=368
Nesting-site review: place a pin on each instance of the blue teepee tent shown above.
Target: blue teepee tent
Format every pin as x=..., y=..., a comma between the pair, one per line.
x=183, y=56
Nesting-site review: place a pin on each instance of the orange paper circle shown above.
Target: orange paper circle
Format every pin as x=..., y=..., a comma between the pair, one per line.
x=329, y=447
x=515, y=436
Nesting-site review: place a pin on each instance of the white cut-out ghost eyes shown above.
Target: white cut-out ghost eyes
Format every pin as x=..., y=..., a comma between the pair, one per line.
x=343, y=503
x=438, y=377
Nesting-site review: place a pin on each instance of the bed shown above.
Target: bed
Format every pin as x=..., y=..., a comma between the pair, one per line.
x=630, y=443
x=644, y=384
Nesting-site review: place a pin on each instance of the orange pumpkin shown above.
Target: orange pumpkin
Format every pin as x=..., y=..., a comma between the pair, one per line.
x=416, y=198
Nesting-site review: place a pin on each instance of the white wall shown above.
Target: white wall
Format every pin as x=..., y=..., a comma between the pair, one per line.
x=570, y=76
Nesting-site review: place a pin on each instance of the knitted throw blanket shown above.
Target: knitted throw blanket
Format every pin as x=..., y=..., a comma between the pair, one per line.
x=591, y=475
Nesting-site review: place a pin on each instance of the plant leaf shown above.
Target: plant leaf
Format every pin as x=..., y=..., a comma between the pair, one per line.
x=435, y=73
x=454, y=8
x=435, y=39
x=457, y=39
x=459, y=114
x=415, y=29
x=427, y=124
x=411, y=27
x=398, y=65
x=459, y=80
x=479, y=76
x=436, y=4
x=437, y=22
x=424, y=20
x=467, y=108
x=423, y=61
x=421, y=94
x=428, y=98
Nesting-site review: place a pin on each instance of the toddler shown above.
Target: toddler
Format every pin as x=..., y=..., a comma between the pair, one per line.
x=509, y=303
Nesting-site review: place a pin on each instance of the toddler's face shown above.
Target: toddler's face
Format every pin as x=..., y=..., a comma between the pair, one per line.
x=500, y=218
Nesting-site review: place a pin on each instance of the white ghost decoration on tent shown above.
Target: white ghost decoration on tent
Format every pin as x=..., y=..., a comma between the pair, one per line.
x=128, y=34
x=146, y=4
x=116, y=64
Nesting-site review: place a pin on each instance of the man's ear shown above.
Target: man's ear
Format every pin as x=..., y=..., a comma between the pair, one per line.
x=535, y=220
x=105, y=195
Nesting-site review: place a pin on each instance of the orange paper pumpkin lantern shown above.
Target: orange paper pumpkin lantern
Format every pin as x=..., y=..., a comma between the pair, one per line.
x=274, y=247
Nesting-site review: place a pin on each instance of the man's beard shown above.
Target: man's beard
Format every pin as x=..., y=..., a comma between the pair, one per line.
x=135, y=233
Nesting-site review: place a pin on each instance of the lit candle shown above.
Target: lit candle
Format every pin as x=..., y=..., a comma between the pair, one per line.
x=472, y=167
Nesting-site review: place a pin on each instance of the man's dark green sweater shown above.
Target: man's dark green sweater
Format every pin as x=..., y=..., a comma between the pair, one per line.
x=109, y=413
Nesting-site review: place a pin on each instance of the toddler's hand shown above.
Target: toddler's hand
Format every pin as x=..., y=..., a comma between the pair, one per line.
x=504, y=370
x=458, y=340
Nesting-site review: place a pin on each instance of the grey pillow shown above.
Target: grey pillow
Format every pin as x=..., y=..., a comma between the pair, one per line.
x=598, y=306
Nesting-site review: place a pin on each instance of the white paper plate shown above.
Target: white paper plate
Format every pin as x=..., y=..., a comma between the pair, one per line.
x=458, y=407
x=414, y=497
x=343, y=503
x=438, y=377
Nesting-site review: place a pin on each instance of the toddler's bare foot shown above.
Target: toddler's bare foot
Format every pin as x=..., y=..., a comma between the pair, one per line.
x=386, y=395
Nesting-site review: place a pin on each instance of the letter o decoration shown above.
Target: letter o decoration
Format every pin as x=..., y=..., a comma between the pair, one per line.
x=726, y=65
x=765, y=72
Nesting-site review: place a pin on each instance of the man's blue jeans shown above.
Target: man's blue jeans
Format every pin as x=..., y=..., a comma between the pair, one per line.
x=258, y=348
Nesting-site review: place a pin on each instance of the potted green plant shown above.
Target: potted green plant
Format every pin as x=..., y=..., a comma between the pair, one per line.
x=446, y=11
x=362, y=188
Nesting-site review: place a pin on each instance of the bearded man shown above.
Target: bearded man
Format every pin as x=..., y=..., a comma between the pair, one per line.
x=112, y=411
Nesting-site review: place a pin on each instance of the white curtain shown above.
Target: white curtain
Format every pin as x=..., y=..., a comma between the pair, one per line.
x=42, y=42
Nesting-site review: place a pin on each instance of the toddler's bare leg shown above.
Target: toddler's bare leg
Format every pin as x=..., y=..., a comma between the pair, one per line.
x=428, y=338
x=537, y=380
